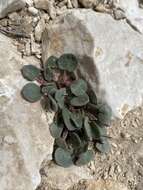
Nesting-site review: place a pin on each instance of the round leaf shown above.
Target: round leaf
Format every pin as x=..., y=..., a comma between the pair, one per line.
x=48, y=74
x=53, y=103
x=60, y=97
x=87, y=129
x=80, y=100
x=60, y=142
x=97, y=131
x=77, y=119
x=104, y=115
x=67, y=62
x=50, y=88
x=63, y=157
x=73, y=140
x=85, y=158
x=30, y=72
x=56, y=130
x=66, y=116
x=51, y=62
x=103, y=147
x=31, y=92
x=79, y=87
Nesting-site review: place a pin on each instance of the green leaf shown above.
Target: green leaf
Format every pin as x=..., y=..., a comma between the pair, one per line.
x=92, y=97
x=77, y=119
x=104, y=115
x=63, y=157
x=79, y=87
x=67, y=62
x=66, y=116
x=31, y=92
x=60, y=142
x=74, y=140
x=60, y=97
x=87, y=129
x=51, y=62
x=97, y=131
x=53, y=103
x=48, y=74
x=80, y=100
x=56, y=130
x=103, y=147
x=85, y=158
x=30, y=72
x=50, y=88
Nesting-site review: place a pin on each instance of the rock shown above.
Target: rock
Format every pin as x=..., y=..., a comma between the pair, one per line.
x=46, y=5
x=8, y=6
x=132, y=11
x=110, y=55
x=29, y=2
x=74, y=3
x=88, y=3
x=105, y=184
x=33, y=11
x=63, y=178
x=26, y=140
x=39, y=30
x=119, y=14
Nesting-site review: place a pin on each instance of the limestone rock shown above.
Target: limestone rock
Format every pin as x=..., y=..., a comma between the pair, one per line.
x=25, y=140
x=63, y=178
x=133, y=13
x=39, y=29
x=8, y=6
x=110, y=53
x=46, y=5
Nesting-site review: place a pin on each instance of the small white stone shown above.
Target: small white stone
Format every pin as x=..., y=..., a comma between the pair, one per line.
x=9, y=139
x=33, y=11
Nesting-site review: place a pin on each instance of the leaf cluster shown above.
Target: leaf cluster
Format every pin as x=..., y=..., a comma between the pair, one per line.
x=79, y=119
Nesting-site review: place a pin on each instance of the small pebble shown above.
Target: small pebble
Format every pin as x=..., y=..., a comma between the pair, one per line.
x=33, y=11
x=9, y=139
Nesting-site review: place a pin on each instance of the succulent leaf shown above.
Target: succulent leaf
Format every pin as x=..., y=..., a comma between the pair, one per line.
x=31, y=92
x=85, y=158
x=74, y=140
x=97, y=131
x=60, y=97
x=30, y=72
x=87, y=129
x=104, y=115
x=53, y=103
x=63, y=157
x=81, y=100
x=56, y=130
x=51, y=62
x=66, y=116
x=79, y=87
x=103, y=147
x=49, y=88
x=48, y=74
x=67, y=62
x=77, y=119
x=61, y=142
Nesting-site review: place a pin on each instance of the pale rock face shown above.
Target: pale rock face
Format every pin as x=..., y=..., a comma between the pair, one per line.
x=25, y=140
x=110, y=53
x=8, y=6
x=64, y=178
x=133, y=13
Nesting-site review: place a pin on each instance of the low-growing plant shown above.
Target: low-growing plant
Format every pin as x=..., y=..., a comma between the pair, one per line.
x=79, y=124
